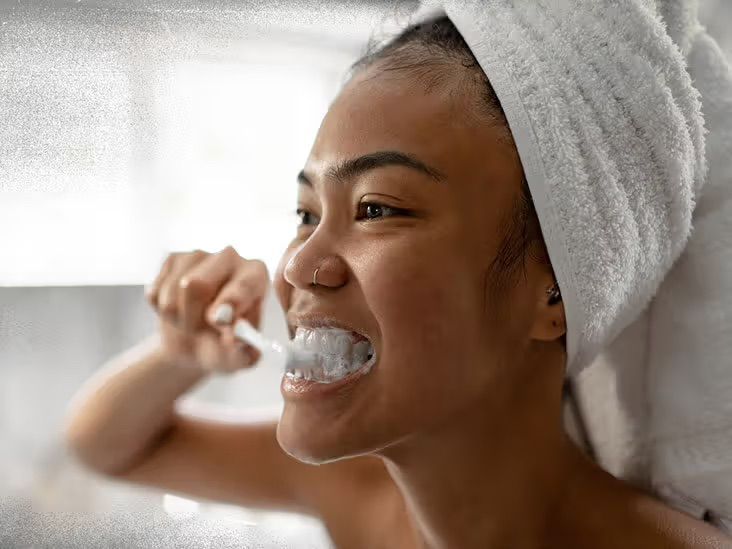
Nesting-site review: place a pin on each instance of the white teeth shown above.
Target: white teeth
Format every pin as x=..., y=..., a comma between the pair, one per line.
x=331, y=341
x=342, y=346
x=328, y=343
x=361, y=351
x=339, y=354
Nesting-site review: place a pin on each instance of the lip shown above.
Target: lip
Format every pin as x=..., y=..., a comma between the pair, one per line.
x=303, y=389
x=319, y=320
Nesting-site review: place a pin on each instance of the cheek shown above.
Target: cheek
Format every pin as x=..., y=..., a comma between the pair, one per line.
x=428, y=304
x=424, y=300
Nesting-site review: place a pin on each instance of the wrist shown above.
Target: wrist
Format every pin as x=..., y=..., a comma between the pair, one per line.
x=173, y=366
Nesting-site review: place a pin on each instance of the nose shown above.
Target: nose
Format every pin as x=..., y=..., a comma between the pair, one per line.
x=299, y=271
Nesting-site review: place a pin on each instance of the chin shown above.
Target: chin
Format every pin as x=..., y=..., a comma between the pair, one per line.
x=300, y=442
x=317, y=446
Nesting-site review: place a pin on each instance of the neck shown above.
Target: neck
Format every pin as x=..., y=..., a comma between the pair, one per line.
x=489, y=479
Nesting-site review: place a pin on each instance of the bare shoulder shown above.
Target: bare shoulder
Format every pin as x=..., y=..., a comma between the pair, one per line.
x=608, y=512
x=674, y=529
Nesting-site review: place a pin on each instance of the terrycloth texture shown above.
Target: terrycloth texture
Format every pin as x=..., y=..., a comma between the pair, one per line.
x=672, y=366
x=613, y=152
x=689, y=347
x=610, y=132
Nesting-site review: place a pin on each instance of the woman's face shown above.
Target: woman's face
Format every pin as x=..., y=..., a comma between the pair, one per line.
x=411, y=274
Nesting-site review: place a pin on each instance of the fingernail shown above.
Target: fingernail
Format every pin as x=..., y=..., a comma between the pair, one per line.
x=224, y=314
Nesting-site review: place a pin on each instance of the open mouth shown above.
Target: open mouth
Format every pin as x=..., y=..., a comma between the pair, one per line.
x=340, y=353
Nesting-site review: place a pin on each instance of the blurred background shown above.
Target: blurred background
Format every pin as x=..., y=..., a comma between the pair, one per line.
x=129, y=130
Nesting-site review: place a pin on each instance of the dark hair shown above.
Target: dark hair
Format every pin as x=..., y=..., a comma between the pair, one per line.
x=432, y=52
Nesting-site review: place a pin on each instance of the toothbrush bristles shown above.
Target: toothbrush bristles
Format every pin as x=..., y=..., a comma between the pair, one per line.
x=304, y=360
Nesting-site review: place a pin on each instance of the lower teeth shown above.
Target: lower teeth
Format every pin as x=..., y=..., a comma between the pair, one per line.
x=321, y=375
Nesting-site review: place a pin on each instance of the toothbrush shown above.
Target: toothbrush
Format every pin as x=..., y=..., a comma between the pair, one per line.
x=295, y=358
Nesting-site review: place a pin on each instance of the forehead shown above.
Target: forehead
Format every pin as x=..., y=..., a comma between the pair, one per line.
x=385, y=111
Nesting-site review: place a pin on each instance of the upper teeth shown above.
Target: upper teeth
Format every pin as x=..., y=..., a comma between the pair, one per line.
x=333, y=341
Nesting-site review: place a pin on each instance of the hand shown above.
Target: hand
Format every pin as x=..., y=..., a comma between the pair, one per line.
x=187, y=293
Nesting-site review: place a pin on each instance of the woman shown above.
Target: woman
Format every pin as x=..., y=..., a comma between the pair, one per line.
x=419, y=234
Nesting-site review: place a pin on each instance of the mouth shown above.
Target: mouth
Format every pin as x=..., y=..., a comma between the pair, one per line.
x=340, y=351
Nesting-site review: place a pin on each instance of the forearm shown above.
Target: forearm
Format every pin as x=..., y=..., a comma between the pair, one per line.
x=124, y=408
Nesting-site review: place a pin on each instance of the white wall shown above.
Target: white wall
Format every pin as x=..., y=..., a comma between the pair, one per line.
x=131, y=129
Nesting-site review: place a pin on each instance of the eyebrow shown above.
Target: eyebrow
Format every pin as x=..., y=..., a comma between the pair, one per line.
x=355, y=167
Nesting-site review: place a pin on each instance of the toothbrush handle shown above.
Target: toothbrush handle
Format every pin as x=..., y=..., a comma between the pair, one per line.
x=300, y=359
x=244, y=331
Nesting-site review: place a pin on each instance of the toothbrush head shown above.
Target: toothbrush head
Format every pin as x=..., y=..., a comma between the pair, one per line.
x=302, y=359
x=297, y=357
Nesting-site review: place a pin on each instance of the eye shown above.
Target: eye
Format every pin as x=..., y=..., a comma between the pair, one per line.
x=374, y=210
x=306, y=217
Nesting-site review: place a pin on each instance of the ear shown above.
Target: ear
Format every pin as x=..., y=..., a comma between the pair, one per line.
x=549, y=321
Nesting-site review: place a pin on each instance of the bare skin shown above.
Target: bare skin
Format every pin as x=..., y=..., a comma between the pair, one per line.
x=455, y=438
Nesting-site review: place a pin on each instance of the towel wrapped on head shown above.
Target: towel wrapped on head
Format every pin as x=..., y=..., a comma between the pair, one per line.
x=603, y=101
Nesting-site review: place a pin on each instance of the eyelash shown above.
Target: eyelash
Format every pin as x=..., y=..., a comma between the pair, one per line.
x=301, y=212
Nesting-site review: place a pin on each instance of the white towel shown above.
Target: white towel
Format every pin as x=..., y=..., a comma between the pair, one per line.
x=690, y=340
x=673, y=365
x=609, y=128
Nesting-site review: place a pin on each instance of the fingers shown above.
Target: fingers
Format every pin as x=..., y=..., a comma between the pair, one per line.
x=216, y=356
x=187, y=282
x=167, y=297
x=236, y=353
x=240, y=349
x=196, y=290
x=201, y=283
x=152, y=291
x=241, y=296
